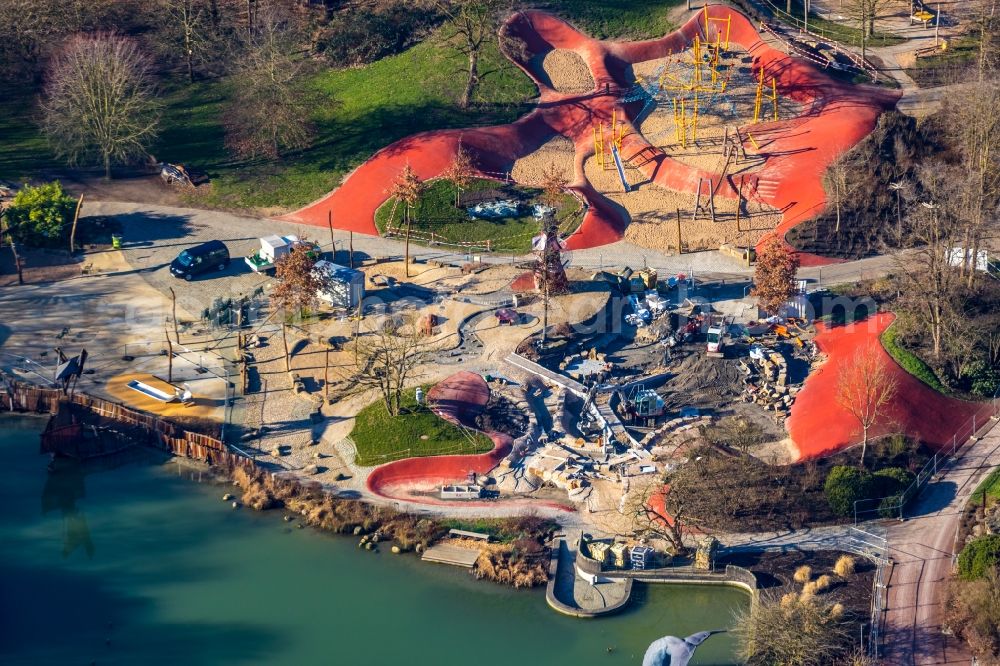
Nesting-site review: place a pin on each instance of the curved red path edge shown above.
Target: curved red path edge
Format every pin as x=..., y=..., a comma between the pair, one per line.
x=458, y=399
x=819, y=426
x=835, y=117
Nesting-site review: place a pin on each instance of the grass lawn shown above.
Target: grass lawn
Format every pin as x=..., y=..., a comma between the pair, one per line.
x=381, y=438
x=356, y=112
x=990, y=486
x=616, y=19
x=910, y=361
x=23, y=150
x=946, y=66
x=436, y=213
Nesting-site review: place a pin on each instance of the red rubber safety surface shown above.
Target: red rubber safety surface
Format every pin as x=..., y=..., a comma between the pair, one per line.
x=458, y=399
x=835, y=116
x=819, y=426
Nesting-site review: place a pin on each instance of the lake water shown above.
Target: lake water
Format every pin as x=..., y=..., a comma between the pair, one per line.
x=141, y=565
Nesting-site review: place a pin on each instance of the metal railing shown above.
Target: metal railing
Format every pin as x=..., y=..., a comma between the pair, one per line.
x=893, y=506
x=872, y=543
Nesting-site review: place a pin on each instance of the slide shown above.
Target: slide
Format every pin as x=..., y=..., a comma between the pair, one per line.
x=621, y=169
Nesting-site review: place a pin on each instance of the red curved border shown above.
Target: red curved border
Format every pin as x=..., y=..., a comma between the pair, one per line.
x=819, y=426
x=458, y=399
x=836, y=116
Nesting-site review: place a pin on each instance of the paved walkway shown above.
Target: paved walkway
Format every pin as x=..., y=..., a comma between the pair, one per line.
x=922, y=549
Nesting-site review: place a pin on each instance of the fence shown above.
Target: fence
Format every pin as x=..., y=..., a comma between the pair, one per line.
x=768, y=8
x=151, y=430
x=872, y=543
x=894, y=505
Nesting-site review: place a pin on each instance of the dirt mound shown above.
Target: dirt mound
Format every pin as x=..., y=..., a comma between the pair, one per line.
x=703, y=382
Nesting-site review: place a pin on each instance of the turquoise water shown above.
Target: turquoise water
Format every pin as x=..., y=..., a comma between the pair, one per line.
x=141, y=565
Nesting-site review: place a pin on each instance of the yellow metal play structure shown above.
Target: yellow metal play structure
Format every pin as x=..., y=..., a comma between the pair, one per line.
x=606, y=142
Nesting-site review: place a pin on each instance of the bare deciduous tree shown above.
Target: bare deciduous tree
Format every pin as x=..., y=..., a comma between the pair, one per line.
x=387, y=358
x=927, y=282
x=553, y=185
x=461, y=172
x=865, y=13
x=642, y=513
x=297, y=289
x=269, y=111
x=470, y=23
x=187, y=28
x=407, y=189
x=99, y=101
x=865, y=387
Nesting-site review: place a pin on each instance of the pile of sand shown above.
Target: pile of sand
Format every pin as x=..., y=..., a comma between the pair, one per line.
x=558, y=152
x=567, y=72
x=653, y=213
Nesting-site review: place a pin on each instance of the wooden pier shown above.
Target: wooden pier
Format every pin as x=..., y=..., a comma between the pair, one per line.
x=445, y=553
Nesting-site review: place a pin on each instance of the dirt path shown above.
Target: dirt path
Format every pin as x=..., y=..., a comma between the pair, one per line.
x=922, y=549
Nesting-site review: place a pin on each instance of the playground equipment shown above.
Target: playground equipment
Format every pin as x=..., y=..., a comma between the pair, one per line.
x=760, y=96
x=607, y=148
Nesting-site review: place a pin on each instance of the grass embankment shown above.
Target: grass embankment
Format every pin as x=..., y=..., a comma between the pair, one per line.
x=503, y=530
x=380, y=438
x=437, y=213
x=910, y=361
x=356, y=112
x=635, y=19
x=990, y=487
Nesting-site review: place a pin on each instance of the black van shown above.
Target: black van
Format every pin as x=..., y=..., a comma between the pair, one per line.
x=210, y=256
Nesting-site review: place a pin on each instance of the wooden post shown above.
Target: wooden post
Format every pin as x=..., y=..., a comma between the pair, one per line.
x=170, y=357
x=173, y=300
x=72, y=231
x=739, y=204
x=697, y=202
x=711, y=200
x=18, y=264
x=284, y=339
x=350, y=248
x=326, y=374
x=406, y=259
x=333, y=245
x=679, y=250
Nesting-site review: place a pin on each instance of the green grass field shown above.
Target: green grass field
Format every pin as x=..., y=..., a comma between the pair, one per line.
x=436, y=213
x=356, y=112
x=910, y=361
x=946, y=66
x=617, y=19
x=380, y=438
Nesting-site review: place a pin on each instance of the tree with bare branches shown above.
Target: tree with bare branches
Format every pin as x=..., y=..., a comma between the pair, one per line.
x=650, y=511
x=186, y=28
x=774, y=274
x=99, y=101
x=406, y=189
x=553, y=185
x=269, y=112
x=865, y=13
x=865, y=387
x=297, y=289
x=461, y=172
x=387, y=358
x=470, y=23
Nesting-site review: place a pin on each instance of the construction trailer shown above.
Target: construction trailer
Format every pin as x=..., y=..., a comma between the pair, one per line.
x=620, y=554
x=342, y=287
